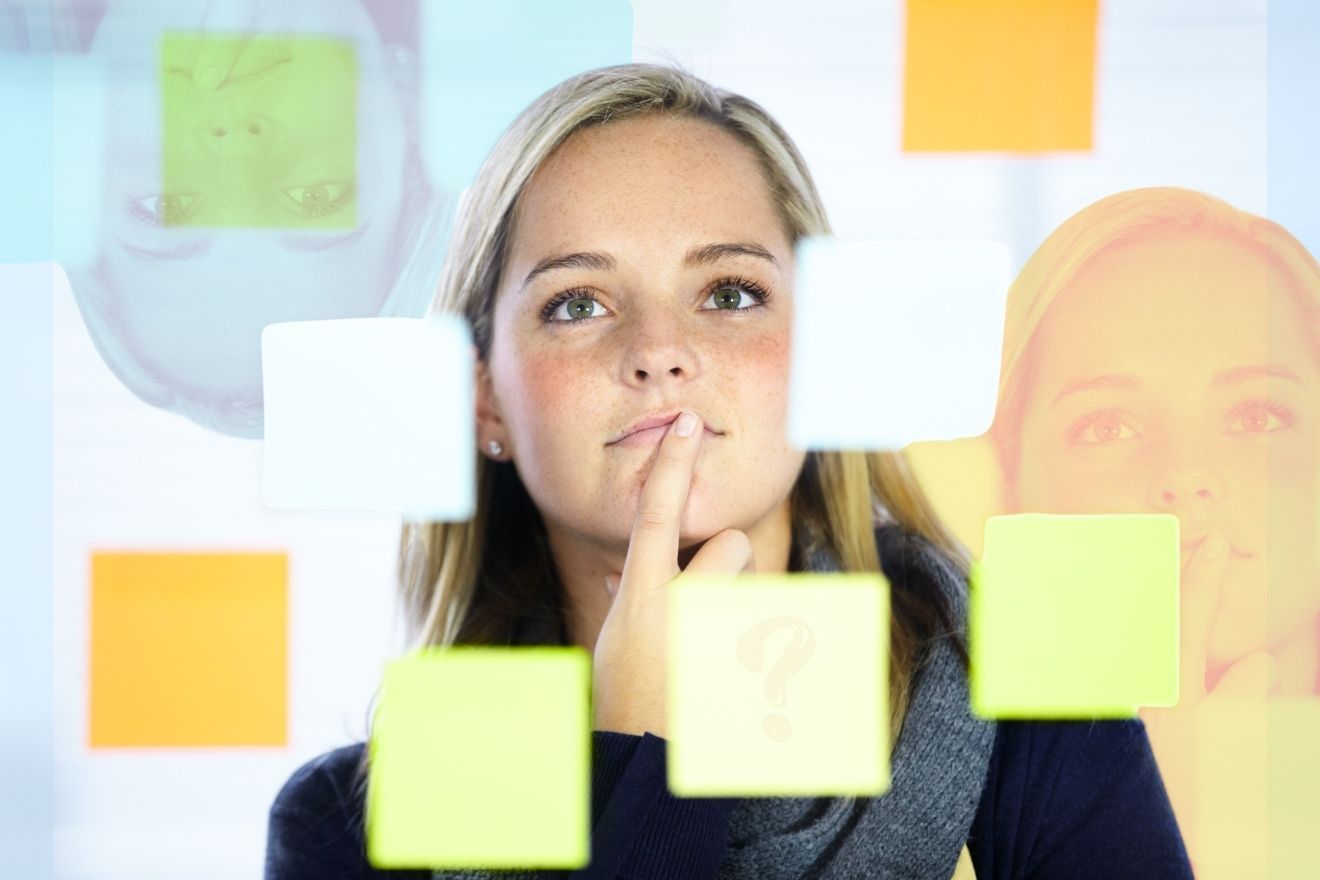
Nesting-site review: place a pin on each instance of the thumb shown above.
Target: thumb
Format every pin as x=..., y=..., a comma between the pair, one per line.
x=611, y=584
x=1199, y=591
x=1253, y=675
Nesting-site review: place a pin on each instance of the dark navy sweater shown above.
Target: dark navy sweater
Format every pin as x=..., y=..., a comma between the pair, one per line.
x=1061, y=801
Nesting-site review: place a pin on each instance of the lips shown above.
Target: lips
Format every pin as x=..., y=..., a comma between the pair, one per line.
x=1193, y=543
x=659, y=420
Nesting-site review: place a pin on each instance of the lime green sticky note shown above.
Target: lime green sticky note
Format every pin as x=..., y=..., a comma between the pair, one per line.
x=481, y=758
x=778, y=685
x=258, y=131
x=1075, y=616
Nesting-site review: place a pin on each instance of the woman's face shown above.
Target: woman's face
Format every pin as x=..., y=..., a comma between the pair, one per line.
x=662, y=314
x=1174, y=377
x=282, y=194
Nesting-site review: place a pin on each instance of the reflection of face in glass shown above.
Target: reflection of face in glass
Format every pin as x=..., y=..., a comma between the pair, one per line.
x=684, y=305
x=258, y=131
x=1174, y=376
x=298, y=211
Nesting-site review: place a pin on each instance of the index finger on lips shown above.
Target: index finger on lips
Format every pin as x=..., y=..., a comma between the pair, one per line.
x=653, y=545
x=1202, y=578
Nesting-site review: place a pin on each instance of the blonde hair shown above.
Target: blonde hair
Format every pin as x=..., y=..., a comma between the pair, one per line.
x=473, y=582
x=1123, y=218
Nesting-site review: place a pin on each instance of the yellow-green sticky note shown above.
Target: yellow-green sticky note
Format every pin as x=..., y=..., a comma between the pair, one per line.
x=778, y=685
x=1075, y=616
x=258, y=131
x=481, y=758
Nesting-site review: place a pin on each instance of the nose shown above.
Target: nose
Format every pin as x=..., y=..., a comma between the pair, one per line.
x=661, y=353
x=232, y=134
x=1185, y=483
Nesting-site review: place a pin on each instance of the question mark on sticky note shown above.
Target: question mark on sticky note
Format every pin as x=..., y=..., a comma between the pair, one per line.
x=751, y=654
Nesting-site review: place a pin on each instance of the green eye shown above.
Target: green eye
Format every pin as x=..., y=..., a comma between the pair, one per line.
x=164, y=209
x=319, y=199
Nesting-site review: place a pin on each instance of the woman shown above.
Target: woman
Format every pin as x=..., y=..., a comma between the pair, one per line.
x=352, y=230
x=1162, y=355
x=615, y=218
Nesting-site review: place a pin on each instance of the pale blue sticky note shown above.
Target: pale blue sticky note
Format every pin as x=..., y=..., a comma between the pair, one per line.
x=370, y=414
x=482, y=63
x=78, y=142
x=26, y=160
x=895, y=341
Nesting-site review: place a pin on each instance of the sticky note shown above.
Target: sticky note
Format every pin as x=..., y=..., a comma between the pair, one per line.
x=1294, y=785
x=963, y=481
x=483, y=63
x=188, y=649
x=1256, y=774
x=1075, y=616
x=481, y=757
x=894, y=341
x=258, y=131
x=778, y=685
x=1230, y=810
x=999, y=75
x=370, y=414
x=27, y=158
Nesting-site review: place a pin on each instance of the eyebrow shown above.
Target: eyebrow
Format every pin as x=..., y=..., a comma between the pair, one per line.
x=701, y=255
x=1223, y=379
x=1238, y=375
x=1107, y=382
x=183, y=250
x=306, y=242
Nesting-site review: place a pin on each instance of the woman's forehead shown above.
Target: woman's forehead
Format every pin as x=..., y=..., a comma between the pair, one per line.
x=1175, y=303
x=644, y=176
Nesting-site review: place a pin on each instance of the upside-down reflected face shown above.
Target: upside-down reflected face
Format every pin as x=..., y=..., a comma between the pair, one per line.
x=679, y=298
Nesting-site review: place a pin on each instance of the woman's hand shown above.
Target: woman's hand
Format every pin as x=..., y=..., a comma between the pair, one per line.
x=1173, y=731
x=629, y=661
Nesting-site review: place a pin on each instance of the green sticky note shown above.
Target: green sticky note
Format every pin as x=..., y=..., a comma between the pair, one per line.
x=481, y=758
x=778, y=685
x=1075, y=616
x=258, y=131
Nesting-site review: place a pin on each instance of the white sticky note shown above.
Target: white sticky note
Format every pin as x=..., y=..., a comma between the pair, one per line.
x=370, y=414
x=778, y=685
x=895, y=341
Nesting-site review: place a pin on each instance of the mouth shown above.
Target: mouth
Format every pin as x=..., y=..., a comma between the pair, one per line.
x=650, y=436
x=1187, y=547
x=650, y=431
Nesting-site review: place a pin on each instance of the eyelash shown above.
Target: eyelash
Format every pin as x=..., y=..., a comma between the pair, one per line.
x=1280, y=411
x=751, y=288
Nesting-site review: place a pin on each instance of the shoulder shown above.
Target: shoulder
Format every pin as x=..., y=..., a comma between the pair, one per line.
x=323, y=792
x=1058, y=793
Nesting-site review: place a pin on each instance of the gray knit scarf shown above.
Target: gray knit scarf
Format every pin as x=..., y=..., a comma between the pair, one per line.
x=915, y=830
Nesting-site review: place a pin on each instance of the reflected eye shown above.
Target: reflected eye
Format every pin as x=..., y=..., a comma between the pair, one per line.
x=319, y=199
x=1259, y=417
x=163, y=209
x=1105, y=426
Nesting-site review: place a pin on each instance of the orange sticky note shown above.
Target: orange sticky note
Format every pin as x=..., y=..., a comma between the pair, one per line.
x=188, y=649
x=999, y=75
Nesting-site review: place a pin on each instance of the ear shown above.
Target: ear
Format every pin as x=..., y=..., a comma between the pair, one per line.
x=490, y=425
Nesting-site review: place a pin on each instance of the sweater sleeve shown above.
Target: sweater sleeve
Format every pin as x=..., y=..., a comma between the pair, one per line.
x=639, y=829
x=1081, y=800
